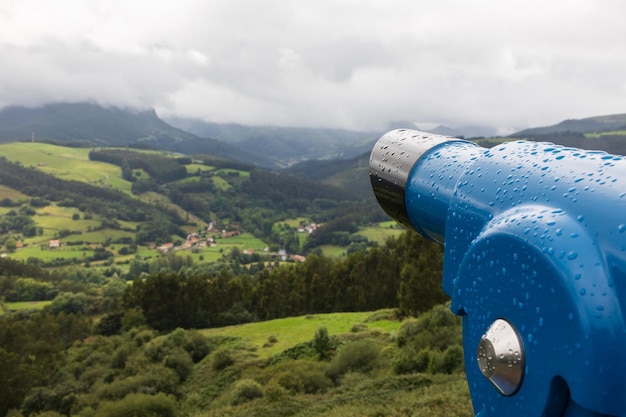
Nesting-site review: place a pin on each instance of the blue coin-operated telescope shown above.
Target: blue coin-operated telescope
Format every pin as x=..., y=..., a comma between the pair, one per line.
x=534, y=241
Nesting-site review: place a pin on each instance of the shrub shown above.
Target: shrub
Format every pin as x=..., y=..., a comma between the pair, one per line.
x=143, y=336
x=155, y=378
x=386, y=314
x=410, y=362
x=156, y=349
x=451, y=360
x=222, y=359
x=180, y=361
x=300, y=376
x=359, y=356
x=359, y=327
x=138, y=405
x=197, y=346
x=133, y=317
x=321, y=342
x=437, y=329
x=246, y=390
x=274, y=392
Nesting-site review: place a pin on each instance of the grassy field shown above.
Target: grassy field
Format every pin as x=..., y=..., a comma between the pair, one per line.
x=66, y=163
x=382, y=231
x=241, y=173
x=293, y=330
x=601, y=134
x=293, y=223
x=220, y=183
x=332, y=250
x=24, y=306
x=243, y=241
x=11, y=194
x=277, y=363
x=197, y=168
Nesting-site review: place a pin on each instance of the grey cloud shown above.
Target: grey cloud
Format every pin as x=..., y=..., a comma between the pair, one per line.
x=342, y=63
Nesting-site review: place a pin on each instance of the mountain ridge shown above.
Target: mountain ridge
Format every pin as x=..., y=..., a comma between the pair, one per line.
x=275, y=147
x=89, y=124
x=594, y=124
x=289, y=144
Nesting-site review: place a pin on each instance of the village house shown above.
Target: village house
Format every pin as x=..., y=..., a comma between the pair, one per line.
x=232, y=233
x=309, y=228
x=166, y=247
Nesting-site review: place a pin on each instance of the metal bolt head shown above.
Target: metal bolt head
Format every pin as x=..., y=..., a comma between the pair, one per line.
x=500, y=357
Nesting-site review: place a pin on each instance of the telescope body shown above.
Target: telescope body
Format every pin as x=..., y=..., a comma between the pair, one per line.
x=534, y=239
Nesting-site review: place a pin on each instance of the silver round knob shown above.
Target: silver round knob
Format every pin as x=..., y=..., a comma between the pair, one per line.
x=500, y=357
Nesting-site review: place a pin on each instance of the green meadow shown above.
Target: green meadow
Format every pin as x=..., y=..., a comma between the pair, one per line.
x=596, y=135
x=66, y=163
x=11, y=194
x=23, y=306
x=293, y=223
x=288, y=332
x=197, y=168
x=381, y=231
x=229, y=171
x=220, y=183
x=333, y=251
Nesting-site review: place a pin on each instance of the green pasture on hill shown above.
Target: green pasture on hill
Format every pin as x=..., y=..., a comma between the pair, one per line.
x=66, y=163
x=596, y=135
x=220, y=183
x=333, y=251
x=46, y=254
x=243, y=241
x=11, y=194
x=290, y=331
x=244, y=174
x=52, y=219
x=293, y=223
x=381, y=231
x=23, y=306
x=196, y=168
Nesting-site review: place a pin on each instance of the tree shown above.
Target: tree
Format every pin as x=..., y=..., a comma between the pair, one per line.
x=321, y=342
x=69, y=303
x=10, y=244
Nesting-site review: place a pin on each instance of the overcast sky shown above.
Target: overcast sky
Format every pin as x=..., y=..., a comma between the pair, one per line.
x=356, y=64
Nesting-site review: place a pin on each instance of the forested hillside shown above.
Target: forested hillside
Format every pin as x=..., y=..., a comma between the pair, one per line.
x=606, y=133
x=286, y=144
x=88, y=124
x=145, y=199
x=51, y=361
x=158, y=261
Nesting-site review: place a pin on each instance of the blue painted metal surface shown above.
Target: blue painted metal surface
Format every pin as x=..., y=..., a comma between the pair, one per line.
x=534, y=234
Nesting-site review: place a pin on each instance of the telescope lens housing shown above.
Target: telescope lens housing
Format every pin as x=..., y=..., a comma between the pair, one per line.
x=393, y=161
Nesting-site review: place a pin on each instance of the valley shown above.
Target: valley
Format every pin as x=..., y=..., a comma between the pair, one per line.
x=139, y=278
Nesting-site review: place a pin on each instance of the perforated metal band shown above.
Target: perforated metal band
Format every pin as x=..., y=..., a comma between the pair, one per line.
x=391, y=162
